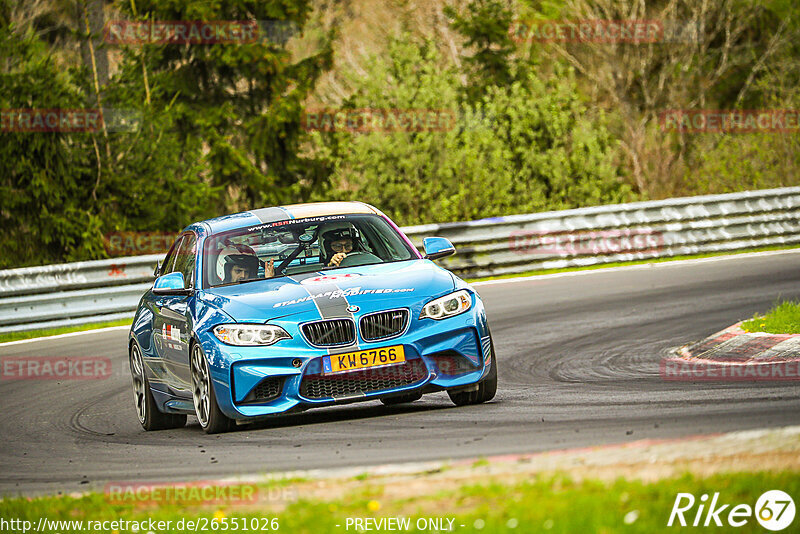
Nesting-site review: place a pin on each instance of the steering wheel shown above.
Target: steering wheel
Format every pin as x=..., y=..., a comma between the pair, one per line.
x=342, y=263
x=358, y=258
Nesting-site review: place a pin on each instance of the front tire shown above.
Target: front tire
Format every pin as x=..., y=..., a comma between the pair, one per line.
x=210, y=417
x=149, y=415
x=486, y=388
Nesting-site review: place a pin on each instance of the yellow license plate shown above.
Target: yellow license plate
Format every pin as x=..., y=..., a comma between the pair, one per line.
x=363, y=358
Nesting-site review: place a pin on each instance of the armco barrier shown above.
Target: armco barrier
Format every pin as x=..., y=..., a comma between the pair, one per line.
x=83, y=292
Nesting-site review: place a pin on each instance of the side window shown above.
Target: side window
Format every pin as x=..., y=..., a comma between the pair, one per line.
x=379, y=244
x=169, y=260
x=185, y=260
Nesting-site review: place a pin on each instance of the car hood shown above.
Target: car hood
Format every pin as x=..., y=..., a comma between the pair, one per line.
x=330, y=293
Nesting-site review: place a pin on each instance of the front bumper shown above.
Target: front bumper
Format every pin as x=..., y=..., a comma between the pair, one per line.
x=288, y=377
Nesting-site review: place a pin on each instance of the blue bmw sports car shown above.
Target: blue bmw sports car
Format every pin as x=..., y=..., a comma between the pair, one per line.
x=282, y=309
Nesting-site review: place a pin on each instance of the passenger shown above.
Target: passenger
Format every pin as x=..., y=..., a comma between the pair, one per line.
x=240, y=262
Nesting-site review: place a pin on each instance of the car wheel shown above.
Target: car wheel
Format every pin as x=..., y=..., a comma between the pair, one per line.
x=150, y=417
x=486, y=387
x=401, y=399
x=206, y=408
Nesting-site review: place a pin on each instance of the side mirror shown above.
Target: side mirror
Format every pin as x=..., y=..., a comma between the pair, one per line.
x=437, y=247
x=170, y=284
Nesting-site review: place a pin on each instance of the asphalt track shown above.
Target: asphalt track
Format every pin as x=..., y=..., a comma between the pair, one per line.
x=578, y=366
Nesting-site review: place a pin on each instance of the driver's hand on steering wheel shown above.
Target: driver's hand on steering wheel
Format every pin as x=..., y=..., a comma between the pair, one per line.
x=337, y=259
x=269, y=269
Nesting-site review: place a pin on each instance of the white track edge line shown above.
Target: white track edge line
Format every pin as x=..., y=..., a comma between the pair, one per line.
x=650, y=265
x=68, y=334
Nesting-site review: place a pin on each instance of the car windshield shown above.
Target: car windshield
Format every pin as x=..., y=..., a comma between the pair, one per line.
x=300, y=246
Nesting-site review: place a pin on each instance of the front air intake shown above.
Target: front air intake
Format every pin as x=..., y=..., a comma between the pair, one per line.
x=268, y=389
x=363, y=381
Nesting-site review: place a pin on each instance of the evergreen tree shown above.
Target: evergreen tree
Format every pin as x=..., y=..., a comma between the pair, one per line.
x=485, y=26
x=243, y=101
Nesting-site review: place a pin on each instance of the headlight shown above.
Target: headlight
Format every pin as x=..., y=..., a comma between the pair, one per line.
x=447, y=306
x=250, y=334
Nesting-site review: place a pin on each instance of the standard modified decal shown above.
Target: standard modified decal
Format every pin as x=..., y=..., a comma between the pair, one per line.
x=341, y=293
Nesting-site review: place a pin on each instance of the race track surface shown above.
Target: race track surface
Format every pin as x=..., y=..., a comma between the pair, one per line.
x=578, y=366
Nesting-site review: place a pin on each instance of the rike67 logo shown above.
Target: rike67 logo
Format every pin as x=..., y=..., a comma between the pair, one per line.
x=774, y=510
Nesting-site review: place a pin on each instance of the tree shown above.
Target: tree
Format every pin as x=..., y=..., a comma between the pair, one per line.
x=708, y=55
x=215, y=127
x=44, y=176
x=530, y=146
x=485, y=26
x=243, y=102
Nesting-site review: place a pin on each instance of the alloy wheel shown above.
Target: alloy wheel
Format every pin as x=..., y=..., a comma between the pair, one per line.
x=201, y=384
x=139, y=387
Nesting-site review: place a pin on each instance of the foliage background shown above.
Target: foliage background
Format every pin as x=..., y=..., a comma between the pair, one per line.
x=540, y=126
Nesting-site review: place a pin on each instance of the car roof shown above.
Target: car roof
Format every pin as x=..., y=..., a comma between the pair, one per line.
x=282, y=213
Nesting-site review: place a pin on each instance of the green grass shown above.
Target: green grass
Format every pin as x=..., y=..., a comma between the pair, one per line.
x=553, y=503
x=784, y=318
x=15, y=336
x=635, y=262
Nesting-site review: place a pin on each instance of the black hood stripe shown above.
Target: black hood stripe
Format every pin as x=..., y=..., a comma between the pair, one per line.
x=328, y=308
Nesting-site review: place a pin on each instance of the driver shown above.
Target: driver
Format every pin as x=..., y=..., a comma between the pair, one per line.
x=239, y=262
x=338, y=243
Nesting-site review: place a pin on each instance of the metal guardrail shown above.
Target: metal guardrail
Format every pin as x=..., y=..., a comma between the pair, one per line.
x=92, y=291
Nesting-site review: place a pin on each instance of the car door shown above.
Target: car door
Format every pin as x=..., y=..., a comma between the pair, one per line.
x=154, y=347
x=173, y=321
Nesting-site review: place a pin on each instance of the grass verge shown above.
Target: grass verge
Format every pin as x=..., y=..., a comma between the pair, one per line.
x=783, y=318
x=29, y=334
x=635, y=262
x=544, y=502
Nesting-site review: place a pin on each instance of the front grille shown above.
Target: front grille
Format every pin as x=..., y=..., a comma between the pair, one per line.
x=266, y=390
x=363, y=381
x=330, y=333
x=383, y=325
